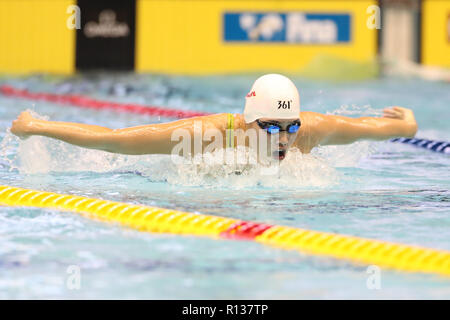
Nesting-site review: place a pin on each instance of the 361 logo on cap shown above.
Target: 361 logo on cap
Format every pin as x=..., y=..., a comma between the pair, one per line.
x=251, y=94
x=284, y=104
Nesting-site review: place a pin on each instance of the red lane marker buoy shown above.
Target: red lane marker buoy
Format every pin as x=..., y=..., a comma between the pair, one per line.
x=86, y=102
x=245, y=230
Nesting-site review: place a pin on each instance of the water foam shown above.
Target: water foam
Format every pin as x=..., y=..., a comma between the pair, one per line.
x=40, y=155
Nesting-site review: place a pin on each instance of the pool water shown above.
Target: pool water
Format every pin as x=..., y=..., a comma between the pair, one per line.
x=377, y=190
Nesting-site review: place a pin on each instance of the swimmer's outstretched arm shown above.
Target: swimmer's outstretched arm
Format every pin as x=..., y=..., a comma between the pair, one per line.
x=396, y=122
x=146, y=139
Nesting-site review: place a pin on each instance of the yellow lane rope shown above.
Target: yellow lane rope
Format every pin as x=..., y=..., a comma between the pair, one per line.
x=366, y=251
x=152, y=219
x=135, y=216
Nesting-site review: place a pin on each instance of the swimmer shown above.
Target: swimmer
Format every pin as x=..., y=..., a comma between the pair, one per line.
x=272, y=109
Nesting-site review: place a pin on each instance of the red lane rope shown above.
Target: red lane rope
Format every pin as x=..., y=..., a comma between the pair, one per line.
x=245, y=230
x=86, y=102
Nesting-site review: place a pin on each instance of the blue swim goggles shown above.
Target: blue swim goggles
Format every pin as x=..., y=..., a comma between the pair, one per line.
x=272, y=128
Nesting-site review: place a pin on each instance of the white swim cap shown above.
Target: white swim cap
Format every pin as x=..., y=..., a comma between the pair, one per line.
x=272, y=96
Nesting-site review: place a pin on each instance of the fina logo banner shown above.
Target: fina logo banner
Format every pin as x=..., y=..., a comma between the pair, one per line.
x=294, y=27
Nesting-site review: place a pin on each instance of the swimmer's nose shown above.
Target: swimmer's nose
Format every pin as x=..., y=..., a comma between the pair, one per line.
x=283, y=140
x=282, y=146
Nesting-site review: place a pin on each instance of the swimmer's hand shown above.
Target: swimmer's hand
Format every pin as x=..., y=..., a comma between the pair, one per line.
x=404, y=114
x=399, y=113
x=23, y=125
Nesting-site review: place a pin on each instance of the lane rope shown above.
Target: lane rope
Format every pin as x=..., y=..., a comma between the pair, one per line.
x=86, y=102
x=153, y=219
x=432, y=145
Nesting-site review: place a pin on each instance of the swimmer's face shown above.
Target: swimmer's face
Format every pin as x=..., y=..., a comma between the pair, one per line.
x=278, y=144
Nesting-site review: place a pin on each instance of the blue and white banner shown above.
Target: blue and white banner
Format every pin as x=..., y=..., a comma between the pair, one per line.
x=292, y=27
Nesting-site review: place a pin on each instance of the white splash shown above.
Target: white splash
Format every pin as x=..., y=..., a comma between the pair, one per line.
x=43, y=155
x=296, y=170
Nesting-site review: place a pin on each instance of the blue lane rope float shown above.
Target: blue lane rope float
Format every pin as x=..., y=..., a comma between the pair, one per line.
x=432, y=145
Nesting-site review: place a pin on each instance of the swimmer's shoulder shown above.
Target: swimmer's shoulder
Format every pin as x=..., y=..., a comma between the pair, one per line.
x=217, y=120
x=239, y=121
x=312, y=118
x=313, y=129
x=313, y=122
x=221, y=120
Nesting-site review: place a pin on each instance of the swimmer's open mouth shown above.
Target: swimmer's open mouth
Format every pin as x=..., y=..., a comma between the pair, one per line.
x=280, y=154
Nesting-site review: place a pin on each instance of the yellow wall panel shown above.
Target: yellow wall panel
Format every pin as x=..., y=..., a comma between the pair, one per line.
x=34, y=37
x=436, y=33
x=175, y=36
